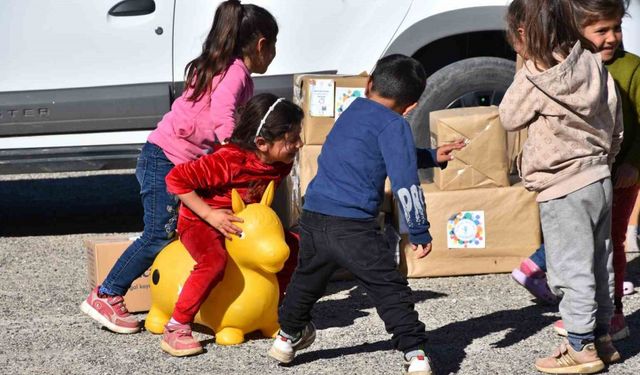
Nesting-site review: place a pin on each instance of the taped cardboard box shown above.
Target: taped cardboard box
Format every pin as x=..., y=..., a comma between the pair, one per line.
x=323, y=97
x=483, y=162
x=474, y=231
x=102, y=254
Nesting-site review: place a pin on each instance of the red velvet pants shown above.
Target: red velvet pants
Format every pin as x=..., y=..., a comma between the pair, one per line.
x=623, y=202
x=206, y=246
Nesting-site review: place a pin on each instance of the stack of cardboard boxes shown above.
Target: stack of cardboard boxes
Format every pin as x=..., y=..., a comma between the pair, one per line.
x=480, y=221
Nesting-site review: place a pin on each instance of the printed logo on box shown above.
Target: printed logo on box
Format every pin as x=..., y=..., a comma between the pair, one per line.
x=466, y=230
x=345, y=96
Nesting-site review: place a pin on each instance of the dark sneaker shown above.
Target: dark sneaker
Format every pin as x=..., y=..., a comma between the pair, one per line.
x=110, y=311
x=606, y=351
x=284, y=350
x=565, y=360
x=178, y=341
x=618, y=328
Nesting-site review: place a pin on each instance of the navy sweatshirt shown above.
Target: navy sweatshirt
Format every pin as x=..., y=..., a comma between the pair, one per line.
x=368, y=142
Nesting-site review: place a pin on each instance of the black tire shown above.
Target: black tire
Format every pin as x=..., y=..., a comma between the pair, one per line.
x=478, y=81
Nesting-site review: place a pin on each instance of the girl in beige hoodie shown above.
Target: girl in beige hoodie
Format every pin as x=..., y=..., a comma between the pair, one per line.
x=567, y=100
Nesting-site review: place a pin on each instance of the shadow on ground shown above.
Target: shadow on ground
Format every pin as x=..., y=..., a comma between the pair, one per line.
x=90, y=204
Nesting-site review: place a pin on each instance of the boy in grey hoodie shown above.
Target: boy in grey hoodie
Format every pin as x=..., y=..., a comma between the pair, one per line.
x=568, y=102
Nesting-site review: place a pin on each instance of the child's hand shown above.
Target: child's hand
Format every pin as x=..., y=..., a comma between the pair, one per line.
x=626, y=176
x=223, y=220
x=421, y=250
x=443, y=153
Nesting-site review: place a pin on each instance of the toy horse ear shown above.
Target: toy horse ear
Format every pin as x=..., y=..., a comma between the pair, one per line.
x=237, y=204
x=269, y=192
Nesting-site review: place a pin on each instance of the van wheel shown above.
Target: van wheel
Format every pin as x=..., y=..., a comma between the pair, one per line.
x=478, y=81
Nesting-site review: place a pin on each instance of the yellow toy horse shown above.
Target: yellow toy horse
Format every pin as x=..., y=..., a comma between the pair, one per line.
x=246, y=299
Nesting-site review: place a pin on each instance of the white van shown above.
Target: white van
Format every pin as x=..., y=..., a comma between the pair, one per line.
x=82, y=82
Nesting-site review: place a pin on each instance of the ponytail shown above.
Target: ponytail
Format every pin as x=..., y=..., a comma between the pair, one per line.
x=550, y=28
x=235, y=29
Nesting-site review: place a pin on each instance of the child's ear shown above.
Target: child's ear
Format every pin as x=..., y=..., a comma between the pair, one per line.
x=262, y=144
x=409, y=108
x=261, y=44
x=367, y=89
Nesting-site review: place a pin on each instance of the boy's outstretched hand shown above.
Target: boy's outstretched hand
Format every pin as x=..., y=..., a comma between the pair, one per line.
x=443, y=153
x=421, y=250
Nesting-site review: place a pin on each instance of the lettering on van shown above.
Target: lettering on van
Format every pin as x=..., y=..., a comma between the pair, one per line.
x=24, y=113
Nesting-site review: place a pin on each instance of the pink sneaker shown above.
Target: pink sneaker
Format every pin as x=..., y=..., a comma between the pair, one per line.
x=178, y=341
x=110, y=311
x=618, y=329
x=558, y=326
x=530, y=276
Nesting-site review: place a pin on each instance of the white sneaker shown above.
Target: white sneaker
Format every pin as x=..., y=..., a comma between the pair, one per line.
x=419, y=365
x=628, y=288
x=284, y=350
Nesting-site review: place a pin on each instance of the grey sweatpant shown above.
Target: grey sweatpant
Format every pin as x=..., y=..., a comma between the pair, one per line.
x=577, y=237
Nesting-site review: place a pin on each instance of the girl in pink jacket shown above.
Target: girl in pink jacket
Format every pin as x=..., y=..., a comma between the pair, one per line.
x=241, y=41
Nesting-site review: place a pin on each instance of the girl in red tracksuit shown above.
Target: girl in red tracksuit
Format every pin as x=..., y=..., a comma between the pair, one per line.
x=261, y=149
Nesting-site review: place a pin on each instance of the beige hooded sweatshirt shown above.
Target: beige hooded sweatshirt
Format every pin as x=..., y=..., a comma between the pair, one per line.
x=574, y=122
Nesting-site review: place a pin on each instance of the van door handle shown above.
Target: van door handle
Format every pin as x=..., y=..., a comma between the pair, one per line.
x=127, y=8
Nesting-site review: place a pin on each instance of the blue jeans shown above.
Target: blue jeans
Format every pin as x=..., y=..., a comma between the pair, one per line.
x=160, y=218
x=540, y=258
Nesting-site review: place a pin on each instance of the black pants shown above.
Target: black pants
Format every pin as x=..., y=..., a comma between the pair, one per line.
x=329, y=242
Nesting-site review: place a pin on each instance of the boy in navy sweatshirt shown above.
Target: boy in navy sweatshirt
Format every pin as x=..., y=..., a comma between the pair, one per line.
x=338, y=226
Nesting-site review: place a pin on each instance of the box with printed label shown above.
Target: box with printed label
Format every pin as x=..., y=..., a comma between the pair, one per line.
x=474, y=231
x=323, y=97
x=102, y=254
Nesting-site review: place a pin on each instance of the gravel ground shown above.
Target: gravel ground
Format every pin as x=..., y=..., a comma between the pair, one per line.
x=477, y=325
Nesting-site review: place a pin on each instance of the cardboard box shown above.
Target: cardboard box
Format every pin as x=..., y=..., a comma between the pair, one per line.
x=483, y=162
x=308, y=165
x=509, y=231
x=102, y=254
x=323, y=97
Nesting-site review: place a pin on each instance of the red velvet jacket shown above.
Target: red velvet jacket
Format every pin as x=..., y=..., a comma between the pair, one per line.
x=214, y=175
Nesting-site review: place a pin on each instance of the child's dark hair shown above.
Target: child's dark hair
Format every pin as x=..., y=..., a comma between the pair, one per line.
x=588, y=12
x=550, y=28
x=400, y=78
x=284, y=118
x=235, y=30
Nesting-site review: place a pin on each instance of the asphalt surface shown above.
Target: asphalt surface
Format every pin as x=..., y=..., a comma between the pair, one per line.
x=477, y=324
